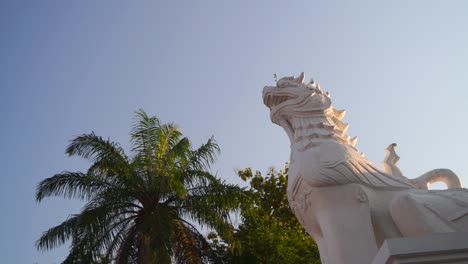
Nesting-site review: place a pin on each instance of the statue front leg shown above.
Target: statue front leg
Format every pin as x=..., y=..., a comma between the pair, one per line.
x=344, y=217
x=322, y=249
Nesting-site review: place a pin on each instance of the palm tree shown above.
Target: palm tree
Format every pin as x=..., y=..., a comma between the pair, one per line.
x=140, y=208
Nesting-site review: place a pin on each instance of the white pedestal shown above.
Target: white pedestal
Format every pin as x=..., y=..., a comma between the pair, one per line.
x=447, y=248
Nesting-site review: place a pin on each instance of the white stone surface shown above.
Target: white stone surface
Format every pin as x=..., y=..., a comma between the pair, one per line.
x=347, y=204
x=448, y=248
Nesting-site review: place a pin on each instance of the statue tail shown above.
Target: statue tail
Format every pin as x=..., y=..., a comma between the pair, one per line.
x=438, y=175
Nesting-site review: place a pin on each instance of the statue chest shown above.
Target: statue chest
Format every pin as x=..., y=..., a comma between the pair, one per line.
x=319, y=166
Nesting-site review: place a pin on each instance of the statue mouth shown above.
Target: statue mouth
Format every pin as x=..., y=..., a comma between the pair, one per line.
x=272, y=100
x=274, y=97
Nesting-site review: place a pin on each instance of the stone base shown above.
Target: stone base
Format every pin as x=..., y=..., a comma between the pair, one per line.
x=449, y=248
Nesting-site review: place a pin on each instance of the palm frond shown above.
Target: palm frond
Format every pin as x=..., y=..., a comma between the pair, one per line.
x=143, y=132
x=93, y=147
x=190, y=244
x=106, y=240
x=199, y=178
x=58, y=235
x=168, y=135
x=70, y=185
x=127, y=250
x=212, y=205
x=205, y=155
x=99, y=228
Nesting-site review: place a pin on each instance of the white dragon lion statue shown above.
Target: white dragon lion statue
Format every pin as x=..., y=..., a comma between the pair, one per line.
x=347, y=204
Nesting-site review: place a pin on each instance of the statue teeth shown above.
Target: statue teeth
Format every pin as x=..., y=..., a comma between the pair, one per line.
x=276, y=100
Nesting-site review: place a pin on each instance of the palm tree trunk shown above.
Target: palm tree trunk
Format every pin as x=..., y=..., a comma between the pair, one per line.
x=143, y=252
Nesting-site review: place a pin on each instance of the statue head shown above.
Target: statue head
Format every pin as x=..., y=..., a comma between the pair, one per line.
x=291, y=97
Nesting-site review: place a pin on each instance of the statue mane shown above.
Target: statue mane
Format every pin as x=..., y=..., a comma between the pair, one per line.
x=334, y=116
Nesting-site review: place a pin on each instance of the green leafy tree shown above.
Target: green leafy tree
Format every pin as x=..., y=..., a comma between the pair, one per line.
x=140, y=208
x=269, y=232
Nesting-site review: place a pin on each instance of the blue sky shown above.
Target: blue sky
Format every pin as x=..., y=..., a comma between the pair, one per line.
x=72, y=67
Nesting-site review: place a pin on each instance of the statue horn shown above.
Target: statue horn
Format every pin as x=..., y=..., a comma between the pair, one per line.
x=300, y=78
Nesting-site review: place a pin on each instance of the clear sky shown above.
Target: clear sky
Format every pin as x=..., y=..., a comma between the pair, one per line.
x=399, y=68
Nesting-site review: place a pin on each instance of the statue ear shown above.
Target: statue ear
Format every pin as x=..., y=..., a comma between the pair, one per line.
x=300, y=78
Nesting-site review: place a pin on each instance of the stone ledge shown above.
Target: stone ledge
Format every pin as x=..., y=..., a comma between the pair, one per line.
x=447, y=248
